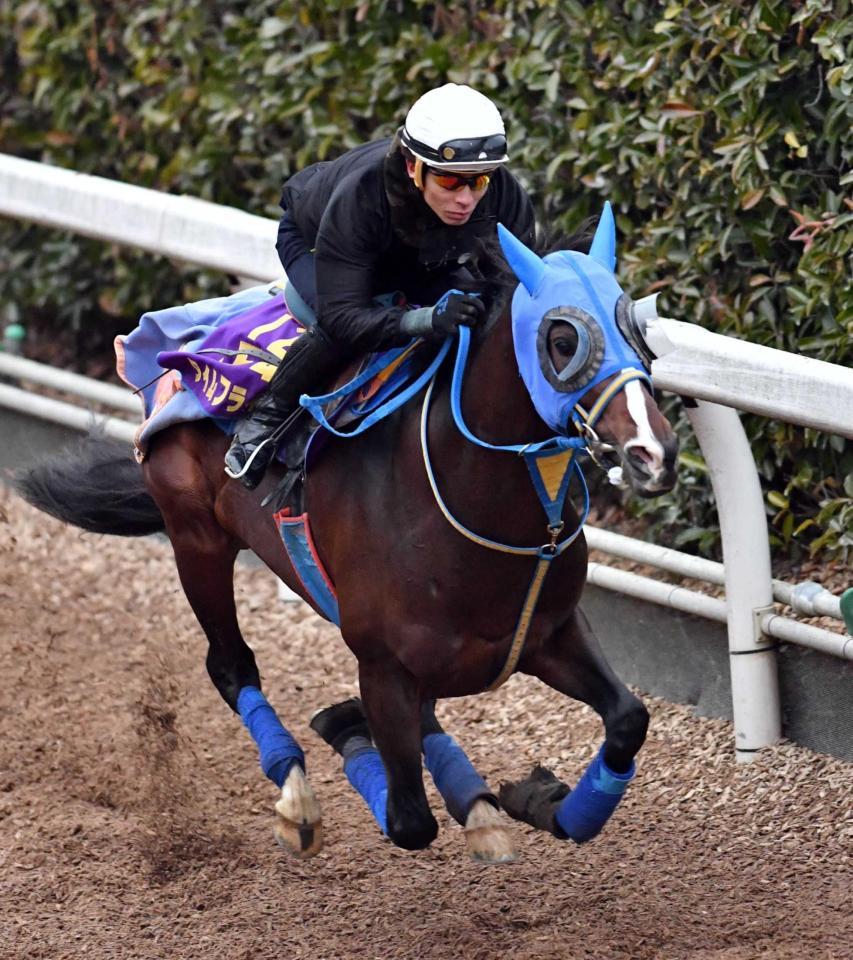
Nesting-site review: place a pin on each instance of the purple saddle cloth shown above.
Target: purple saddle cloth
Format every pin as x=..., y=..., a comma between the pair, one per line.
x=210, y=359
x=207, y=359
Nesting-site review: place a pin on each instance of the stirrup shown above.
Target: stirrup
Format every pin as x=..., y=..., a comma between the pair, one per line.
x=274, y=437
x=251, y=459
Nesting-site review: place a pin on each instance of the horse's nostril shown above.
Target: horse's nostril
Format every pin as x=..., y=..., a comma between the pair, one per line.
x=640, y=456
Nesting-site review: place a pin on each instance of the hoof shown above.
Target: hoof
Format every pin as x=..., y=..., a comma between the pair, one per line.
x=488, y=838
x=298, y=823
x=414, y=838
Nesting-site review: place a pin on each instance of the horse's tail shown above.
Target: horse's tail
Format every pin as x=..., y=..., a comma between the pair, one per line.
x=96, y=485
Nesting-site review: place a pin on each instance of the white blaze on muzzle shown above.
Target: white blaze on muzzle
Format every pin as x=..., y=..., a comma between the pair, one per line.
x=645, y=438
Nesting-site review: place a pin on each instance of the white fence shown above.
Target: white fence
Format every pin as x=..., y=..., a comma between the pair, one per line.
x=724, y=374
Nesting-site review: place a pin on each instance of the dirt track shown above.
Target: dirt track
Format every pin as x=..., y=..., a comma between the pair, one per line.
x=137, y=824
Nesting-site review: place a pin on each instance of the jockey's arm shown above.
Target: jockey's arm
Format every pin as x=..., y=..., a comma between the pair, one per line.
x=346, y=257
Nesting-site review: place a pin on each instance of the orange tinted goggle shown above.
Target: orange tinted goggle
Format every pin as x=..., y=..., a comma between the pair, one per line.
x=455, y=181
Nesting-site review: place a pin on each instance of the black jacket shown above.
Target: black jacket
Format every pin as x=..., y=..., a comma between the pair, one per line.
x=372, y=233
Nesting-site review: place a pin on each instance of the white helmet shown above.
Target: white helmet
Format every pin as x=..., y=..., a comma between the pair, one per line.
x=456, y=129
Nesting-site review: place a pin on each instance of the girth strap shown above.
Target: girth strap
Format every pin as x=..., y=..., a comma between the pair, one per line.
x=543, y=565
x=551, y=464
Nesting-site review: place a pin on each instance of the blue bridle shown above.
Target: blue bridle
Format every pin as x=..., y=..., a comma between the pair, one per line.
x=567, y=288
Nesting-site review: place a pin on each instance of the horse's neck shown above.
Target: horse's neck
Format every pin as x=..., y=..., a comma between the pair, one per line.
x=496, y=404
x=491, y=492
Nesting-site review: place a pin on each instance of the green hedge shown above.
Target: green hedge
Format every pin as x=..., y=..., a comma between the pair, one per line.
x=719, y=131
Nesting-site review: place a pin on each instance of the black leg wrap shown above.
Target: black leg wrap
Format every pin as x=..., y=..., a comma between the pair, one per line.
x=535, y=800
x=340, y=723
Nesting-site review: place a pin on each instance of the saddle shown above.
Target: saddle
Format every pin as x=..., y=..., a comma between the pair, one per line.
x=226, y=355
x=378, y=385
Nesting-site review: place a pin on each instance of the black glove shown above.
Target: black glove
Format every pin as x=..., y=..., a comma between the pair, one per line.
x=453, y=310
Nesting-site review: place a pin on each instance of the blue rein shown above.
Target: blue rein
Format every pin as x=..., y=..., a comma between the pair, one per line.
x=314, y=405
x=550, y=462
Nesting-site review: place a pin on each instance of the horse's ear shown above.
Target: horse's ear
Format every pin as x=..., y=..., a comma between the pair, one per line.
x=603, y=247
x=526, y=265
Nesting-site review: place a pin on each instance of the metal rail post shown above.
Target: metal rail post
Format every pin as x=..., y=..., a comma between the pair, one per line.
x=749, y=589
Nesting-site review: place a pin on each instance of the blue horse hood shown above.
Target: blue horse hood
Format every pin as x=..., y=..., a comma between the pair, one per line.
x=578, y=289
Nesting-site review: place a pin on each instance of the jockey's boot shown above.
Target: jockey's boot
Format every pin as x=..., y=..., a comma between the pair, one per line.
x=343, y=726
x=311, y=359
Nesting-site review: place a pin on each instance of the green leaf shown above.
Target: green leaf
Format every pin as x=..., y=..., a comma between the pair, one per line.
x=272, y=27
x=750, y=199
x=552, y=86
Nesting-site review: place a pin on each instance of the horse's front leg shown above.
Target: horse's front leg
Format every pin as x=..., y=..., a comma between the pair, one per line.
x=572, y=662
x=392, y=703
x=465, y=793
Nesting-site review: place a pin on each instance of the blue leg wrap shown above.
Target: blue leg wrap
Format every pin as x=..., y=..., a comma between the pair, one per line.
x=277, y=748
x=583, y=813
x=365, y=771
x=454, y=775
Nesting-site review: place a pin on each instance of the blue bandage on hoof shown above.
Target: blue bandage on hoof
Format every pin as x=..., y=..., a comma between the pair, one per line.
x=583, y=813
x=277, y=749
x=454, y=775
x=365, y=771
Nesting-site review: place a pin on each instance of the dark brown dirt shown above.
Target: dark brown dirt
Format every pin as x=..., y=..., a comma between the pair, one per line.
x=135, y=822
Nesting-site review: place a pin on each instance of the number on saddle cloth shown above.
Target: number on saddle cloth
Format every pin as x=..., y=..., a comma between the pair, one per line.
x=233, y=362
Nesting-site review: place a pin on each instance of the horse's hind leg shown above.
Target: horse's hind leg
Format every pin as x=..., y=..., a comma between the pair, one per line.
x=572, y=662
x=465, y=793
x=205, y=555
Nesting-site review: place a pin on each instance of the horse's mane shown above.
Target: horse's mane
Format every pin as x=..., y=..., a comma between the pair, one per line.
x=493, y=277
x=580, y=240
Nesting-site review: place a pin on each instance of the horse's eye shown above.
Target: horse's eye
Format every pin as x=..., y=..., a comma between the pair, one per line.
x=566, y=346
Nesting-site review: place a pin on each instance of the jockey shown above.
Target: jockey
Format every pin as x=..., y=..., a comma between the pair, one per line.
x=408, y=214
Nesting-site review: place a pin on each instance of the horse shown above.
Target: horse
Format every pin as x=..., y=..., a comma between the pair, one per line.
x=447, y=575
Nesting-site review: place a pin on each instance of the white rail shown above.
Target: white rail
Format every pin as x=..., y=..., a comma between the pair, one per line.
x=66, y=414
x=119, y=398
x=697, y=363
x=808, y=598
x=721, y=372
x=712, y=608
x=182, y=227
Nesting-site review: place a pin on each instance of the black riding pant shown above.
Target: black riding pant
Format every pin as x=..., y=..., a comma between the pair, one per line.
x=297, y=260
